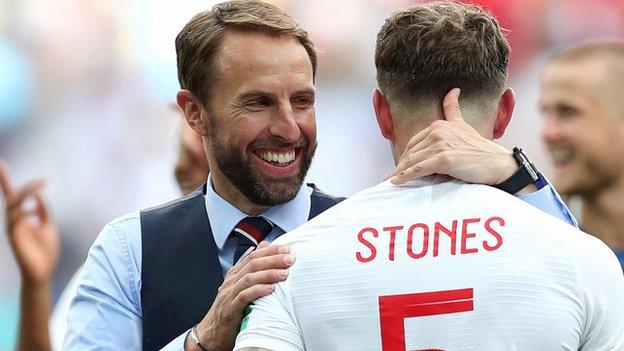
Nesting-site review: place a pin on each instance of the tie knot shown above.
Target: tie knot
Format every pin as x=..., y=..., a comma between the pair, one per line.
x=254, y=228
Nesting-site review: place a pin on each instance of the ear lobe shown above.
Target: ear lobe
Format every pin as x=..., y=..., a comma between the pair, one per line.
x=192, y=110
x=383, y=114
x=505, y=110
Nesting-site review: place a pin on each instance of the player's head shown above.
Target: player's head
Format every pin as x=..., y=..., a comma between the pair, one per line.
x=582, y=104
x=191, y=168
x=426, y=50
x=247, y=70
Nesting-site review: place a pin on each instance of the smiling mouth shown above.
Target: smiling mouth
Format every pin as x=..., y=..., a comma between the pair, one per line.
x=277, y=158
x=562, y=157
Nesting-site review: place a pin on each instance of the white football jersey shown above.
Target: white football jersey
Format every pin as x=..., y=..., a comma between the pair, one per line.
x=439, y=264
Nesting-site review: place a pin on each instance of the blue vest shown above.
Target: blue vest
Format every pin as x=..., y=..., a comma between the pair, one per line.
x=180, y=270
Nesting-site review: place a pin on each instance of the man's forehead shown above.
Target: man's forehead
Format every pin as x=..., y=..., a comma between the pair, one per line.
x=250, y=51
x=572, y=77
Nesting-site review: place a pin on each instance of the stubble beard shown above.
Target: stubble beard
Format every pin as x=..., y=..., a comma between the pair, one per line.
x=261, y=189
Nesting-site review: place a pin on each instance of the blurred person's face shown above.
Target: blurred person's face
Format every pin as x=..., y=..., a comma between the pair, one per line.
x=584, y=138
x=260, y=116
x=191, y=169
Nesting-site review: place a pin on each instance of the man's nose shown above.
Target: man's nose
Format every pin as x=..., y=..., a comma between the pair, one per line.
x=284, y=125
x=551, y=129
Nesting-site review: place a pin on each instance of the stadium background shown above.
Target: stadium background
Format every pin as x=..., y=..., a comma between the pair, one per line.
x=86, y=87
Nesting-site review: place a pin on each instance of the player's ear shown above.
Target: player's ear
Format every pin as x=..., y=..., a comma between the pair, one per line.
x=505, y=110
x=192, y=110
x=383, y=114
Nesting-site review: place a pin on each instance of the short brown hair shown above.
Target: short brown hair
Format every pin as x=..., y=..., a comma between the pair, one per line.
x=427, y=49
x=200, y=39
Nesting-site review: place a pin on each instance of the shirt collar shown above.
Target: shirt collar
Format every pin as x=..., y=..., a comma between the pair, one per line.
x=224, y=216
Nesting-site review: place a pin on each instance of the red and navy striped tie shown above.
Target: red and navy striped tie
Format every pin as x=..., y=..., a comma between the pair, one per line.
x=250, y=232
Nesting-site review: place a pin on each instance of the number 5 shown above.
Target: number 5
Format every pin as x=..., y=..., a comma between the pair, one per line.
x=393, y=309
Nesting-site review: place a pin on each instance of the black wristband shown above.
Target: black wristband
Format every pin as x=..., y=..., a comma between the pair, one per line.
x=526, y=174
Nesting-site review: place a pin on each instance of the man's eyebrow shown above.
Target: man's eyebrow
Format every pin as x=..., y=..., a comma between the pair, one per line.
x=308, y=91
x=254, y=94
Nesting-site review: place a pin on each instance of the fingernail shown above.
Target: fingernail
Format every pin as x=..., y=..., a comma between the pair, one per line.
x=283, y=273
x=270, y=288
x=290, y=259
x=284, y=249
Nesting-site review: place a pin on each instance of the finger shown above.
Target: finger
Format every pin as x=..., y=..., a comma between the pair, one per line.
x=20, y=195
x=247, y=296
x=5, y=180
x=417, y=139
x=42, y=208
x=15, y=216
x=422, y=169
x=279, y=261
x=262, y=251
x=450, y=105
x=269, y=276
x=417, y=154
x=262, y=245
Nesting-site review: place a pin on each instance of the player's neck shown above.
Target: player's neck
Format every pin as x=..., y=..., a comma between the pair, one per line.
x=603, y=215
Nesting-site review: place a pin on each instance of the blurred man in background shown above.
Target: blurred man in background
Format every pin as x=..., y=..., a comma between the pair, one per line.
x=35, y=243
x=582, y=103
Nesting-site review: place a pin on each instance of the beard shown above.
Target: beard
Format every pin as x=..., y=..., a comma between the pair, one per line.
x=261, y=189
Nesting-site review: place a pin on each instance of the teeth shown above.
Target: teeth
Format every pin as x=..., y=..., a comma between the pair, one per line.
x=279, y=158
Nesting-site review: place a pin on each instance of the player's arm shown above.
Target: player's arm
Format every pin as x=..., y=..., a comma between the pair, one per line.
x=454, y=148
x=270, y=325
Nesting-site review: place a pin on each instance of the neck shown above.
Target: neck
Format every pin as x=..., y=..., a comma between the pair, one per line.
x=233, y=195
x=603, y=215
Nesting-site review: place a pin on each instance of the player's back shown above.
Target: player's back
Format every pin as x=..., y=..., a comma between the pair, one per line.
x=448, y=266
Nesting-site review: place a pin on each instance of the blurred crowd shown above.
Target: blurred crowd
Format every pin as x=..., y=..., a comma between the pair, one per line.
x=87, y=86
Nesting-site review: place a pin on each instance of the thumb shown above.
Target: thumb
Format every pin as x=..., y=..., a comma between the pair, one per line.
x=450, y=105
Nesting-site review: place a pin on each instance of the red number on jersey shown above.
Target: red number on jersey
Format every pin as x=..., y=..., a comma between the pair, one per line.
x=393, y=309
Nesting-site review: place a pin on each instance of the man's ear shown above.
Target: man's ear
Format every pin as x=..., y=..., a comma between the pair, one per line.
x=383, y=114
x=192, y=110
x=505, y=110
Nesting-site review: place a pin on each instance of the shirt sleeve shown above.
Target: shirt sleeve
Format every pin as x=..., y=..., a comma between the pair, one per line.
x=106, y=313
x=602, y=287
x=58, y=320
x=269, y=324
x=549, y=201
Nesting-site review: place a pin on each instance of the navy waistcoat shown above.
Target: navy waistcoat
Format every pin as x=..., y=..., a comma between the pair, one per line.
x=180, y=270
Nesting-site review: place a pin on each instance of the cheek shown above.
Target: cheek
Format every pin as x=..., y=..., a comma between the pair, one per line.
x=307, y=126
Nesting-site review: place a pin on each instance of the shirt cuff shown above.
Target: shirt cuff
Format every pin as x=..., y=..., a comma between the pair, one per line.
x=177, y=344
x=549, y=201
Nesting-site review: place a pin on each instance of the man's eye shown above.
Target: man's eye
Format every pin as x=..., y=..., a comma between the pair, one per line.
x=568, y=112
x=304, y=102
x=258, y=103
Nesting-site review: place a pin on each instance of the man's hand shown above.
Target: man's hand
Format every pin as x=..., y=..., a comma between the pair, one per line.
x=33, y=237
x=454, y=148
x=250, y=279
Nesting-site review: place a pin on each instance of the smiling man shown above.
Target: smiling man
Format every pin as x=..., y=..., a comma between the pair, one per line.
x=582, y=90
x=181, y=275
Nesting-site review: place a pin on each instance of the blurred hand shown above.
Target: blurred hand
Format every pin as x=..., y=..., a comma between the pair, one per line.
x=454, y=148
x=33, y=237
x=250, y=279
